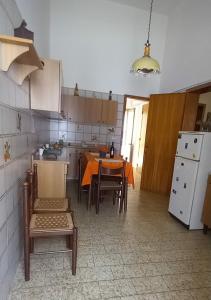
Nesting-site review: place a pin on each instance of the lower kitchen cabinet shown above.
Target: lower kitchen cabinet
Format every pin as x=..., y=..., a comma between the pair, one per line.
x=74, y=154
x=72, y=168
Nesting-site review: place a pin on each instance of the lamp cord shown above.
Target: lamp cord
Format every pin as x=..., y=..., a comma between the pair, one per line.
x=150, y=18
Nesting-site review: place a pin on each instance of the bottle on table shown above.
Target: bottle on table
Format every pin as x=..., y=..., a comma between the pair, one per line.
x=112, y=150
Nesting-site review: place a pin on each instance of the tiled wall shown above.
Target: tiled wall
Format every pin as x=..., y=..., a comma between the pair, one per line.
x=97, y=134
x=22, y=138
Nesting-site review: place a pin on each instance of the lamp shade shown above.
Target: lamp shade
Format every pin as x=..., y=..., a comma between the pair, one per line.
x=145, y=65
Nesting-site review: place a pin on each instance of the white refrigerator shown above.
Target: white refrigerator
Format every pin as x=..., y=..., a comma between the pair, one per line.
x=191, y=169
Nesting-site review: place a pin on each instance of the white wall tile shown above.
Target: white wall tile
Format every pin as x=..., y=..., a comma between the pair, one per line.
x=3, y=239
x=62, y=126
x=3, y=211
x=71, y=127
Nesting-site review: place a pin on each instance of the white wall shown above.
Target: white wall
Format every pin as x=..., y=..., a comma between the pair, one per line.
x=188, y=46
x=98, y=41
x=36, y=14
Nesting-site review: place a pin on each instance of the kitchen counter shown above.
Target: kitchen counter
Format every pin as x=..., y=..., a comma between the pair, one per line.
x=63, y=158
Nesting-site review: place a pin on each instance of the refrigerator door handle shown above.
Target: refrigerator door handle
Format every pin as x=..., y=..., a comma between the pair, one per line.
x=174, y=191
x=185, y=185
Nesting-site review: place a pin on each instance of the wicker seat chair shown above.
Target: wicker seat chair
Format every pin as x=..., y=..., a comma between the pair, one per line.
x=44, y=225
x=111, y=179
x=41, y=205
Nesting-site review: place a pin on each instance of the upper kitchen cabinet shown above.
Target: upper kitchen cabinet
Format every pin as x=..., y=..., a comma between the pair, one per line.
x=109, y=112
x=89, y=110
x=46, y=87
x=73, y=107
x=93, y=108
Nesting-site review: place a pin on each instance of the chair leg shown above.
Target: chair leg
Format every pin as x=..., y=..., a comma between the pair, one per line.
x=125, y=197
x=69, y=241
x=121, y=201
x=27, y=256
x=74, y=250
x=79, y=191
x=114, y=197
x=97, y=201
x=31, y=241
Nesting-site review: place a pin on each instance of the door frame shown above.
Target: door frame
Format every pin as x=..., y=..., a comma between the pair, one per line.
x=124, y=109
x=200, y=88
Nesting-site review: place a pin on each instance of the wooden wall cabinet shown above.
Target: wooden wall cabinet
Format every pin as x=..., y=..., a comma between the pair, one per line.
x=46, y=87
x=93, y=108
x=109, y=112
x=168, y=114
x=89, y=110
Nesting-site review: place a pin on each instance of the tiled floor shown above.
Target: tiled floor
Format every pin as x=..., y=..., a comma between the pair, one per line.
x=145, y=254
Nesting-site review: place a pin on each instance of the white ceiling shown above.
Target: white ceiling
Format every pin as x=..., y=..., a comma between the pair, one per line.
x=159, y=6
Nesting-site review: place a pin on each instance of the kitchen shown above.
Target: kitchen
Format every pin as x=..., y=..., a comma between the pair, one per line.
x=23, y=131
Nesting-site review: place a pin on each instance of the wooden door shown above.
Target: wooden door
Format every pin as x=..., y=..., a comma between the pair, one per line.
x=109, y=112
x=167, y=115
x=93, y=111
x=145, y=109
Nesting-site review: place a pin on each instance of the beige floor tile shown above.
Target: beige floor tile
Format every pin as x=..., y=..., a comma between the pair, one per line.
x=144, y=254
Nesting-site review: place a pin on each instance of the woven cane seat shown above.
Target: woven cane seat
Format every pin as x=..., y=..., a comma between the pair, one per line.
x=51, y=205
x=51, y=223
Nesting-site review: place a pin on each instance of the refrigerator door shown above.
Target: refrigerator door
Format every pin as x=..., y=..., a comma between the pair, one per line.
x=183, y=187
x=189, y=145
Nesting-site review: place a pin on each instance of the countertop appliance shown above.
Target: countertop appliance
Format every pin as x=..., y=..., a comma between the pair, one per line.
x=191, y=169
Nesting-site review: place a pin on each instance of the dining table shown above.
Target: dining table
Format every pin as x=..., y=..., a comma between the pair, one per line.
x=90, y=166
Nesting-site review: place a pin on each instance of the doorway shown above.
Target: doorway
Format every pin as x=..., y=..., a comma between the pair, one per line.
x=134, y=130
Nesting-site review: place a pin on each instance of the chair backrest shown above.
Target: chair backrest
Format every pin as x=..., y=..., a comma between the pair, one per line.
x=35, y=181
x=105, y=171
x=80, y=168
x=26, y=205
x=30, y=181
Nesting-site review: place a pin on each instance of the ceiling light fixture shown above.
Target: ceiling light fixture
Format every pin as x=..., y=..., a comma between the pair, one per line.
x=146, y=65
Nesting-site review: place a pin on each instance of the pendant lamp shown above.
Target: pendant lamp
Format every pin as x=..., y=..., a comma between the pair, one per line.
x=146, y=65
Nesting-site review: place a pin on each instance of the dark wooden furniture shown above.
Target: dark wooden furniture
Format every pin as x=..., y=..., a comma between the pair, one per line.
x=44, y=225
x=111, y=179
x=46, y=204
x=206, y=217
x=80, y=187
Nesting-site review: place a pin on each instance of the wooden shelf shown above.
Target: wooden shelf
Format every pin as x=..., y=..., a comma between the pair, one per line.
x=19, y=57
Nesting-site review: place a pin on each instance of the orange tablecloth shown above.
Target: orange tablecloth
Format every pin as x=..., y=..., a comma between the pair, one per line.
x=90, y=166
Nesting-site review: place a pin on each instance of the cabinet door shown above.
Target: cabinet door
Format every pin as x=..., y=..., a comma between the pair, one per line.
x=73, y=107
x=72, y=167
x=93, y=111
x=46, y=87
x=183, y=186
x=109, y=112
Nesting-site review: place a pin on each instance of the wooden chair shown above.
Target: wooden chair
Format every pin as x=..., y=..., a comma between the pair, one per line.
x=81, y=188
x=111, y=180
x=41, y=205
x=43, y=225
